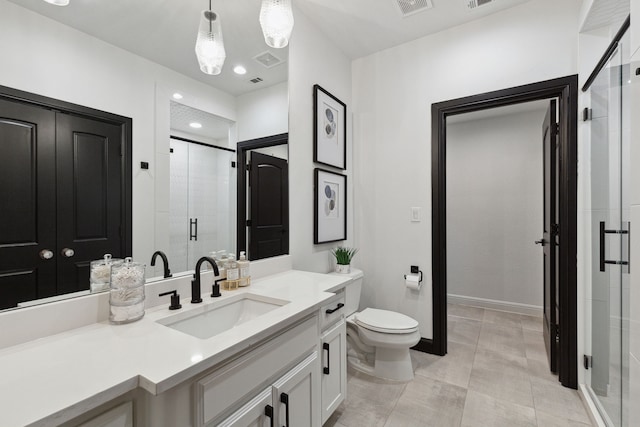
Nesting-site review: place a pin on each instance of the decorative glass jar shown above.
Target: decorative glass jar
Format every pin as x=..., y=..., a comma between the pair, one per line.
x=126, y=297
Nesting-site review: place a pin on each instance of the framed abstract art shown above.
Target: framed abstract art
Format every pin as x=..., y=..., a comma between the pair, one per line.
x=329, y=129
x=330, y=219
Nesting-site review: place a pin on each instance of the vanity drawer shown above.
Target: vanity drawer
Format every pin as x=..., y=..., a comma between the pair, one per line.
x=226, y=387
x=333, y=310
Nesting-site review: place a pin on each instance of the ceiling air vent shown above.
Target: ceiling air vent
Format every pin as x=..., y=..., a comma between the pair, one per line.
x=256, y=80
x=409, y=7
x=477, y=3
x=267, y=59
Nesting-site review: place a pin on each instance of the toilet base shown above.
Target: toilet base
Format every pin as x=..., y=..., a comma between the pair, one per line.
x=387, y=363
x=393, y=364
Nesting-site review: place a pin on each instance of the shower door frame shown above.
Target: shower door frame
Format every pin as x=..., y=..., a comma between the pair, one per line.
x=565, y=89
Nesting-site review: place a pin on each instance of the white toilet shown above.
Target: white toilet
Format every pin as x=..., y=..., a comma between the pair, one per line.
x=378, y=341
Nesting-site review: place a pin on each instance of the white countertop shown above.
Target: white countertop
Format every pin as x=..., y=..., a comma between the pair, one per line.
x=54, y=379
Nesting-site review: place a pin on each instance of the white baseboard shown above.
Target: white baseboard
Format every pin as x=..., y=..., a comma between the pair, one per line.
x=513, y=307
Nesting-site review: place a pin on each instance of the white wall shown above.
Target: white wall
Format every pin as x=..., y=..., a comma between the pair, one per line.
x=392, y=95
x=44, y=57
x=313, y=59
x=495, y=210
x=263, y=112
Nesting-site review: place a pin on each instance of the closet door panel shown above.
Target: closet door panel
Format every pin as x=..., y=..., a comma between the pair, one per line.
x=89, y=170
x=27, y=203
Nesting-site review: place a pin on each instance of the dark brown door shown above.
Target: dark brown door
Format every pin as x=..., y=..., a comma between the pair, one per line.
x=89, y=181
x=549, y=237
x=27, y=203
x=269, y=196
x=61, y=186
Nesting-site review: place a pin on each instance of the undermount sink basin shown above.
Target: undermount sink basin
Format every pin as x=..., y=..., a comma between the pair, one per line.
x=212, y=319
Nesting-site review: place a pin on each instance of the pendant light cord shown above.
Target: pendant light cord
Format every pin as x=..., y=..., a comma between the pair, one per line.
x=210, y=24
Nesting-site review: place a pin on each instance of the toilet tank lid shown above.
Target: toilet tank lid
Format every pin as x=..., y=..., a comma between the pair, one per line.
x=355, y=274
x=377, y=319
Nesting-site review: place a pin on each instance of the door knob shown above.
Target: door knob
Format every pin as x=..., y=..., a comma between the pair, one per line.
x=46, y=254
x=68, y=252
x=541, y=242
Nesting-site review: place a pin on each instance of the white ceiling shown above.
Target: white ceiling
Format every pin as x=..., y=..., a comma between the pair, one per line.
x=362, y=27
x=212, y=126
x=605, y=13
x=164, y=31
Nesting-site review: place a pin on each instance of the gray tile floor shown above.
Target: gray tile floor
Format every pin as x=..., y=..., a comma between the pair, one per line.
x=495, y=374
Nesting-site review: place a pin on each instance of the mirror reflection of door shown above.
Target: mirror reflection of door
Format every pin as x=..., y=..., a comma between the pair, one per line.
x=269, y=206
x=62, y=195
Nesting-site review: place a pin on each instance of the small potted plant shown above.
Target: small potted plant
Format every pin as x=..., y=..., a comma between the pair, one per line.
x=343, y=258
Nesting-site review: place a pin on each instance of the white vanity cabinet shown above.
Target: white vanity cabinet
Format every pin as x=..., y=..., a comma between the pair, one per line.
x=334, y=356
x=278, y=363
x=258, y=412
x=290, y=401
x=297, y=395
x=120, y=416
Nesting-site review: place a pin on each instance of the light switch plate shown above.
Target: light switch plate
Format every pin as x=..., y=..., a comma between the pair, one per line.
x=416, y=215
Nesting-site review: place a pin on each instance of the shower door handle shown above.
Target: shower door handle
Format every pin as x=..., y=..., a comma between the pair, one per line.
x=541, y=242
x=193, y=229
x=604, y=261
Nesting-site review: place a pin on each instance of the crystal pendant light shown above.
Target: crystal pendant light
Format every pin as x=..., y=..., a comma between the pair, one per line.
x=209, y=44
x=276, y=20
x=58, y=2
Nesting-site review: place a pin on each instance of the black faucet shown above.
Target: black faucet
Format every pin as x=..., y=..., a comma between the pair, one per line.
x=195, y=283
x=165, y=262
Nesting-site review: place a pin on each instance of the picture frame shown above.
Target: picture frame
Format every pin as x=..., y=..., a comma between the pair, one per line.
x=329, y=129
x=330, y=206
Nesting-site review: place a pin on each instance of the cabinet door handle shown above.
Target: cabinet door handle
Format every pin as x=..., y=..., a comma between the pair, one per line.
x=284, y=399
x=268, y=411
x=326, y=370
x=333, y=310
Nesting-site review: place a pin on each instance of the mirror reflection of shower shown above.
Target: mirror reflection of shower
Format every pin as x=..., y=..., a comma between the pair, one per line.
x=202, y=217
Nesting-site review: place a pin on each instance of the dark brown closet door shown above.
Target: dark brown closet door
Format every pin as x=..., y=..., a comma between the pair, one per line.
x=27, y=203
x=89, y=171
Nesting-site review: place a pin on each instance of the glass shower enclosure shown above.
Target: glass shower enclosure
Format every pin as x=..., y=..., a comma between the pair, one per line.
x=609, y=180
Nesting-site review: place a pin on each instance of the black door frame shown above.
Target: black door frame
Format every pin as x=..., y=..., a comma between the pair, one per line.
x=125, y=124
x=566, y=90
x=241, y=202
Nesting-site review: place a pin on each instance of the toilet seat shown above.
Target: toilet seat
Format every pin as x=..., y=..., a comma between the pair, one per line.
x=384, y=321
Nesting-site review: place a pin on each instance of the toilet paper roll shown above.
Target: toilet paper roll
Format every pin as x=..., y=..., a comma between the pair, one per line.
x=413, y=281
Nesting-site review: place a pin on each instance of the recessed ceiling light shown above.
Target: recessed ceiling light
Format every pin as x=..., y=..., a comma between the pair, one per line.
x=195, y=125
x=177, y=95
x=58, y=2
x=239, y=69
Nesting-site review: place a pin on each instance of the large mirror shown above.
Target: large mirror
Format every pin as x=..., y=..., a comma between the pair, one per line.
x=193, y=173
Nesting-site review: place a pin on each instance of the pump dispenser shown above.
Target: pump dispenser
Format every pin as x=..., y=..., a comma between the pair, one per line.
x=245, y=269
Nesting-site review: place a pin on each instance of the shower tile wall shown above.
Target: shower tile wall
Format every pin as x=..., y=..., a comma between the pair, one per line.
x=179, y=202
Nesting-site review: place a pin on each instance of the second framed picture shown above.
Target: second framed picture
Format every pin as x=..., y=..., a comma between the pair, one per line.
x=329, y=129
x=330, y=214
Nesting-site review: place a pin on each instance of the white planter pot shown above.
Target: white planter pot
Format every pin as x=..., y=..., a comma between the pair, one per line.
x=344, y=269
